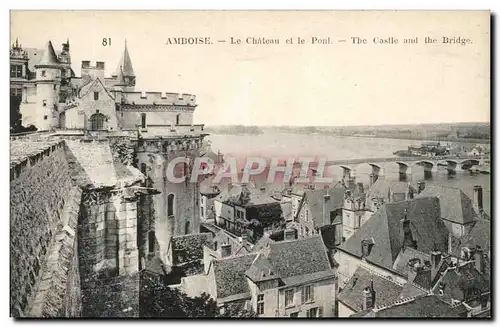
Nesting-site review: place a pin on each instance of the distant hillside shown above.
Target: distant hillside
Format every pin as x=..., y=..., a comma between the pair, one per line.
x=452, y=132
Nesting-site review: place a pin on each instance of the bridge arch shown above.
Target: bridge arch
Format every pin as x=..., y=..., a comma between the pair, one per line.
x=471, y=162
x=427, y=164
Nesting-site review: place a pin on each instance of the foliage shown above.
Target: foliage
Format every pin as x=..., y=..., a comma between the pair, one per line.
x=158, y=300
x=15, y=117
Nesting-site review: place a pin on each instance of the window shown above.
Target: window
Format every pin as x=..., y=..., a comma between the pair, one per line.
x=44, y=103
x=44, y=73
x=16, y=71
x=143, y=120
x=202, y=212
x=187, y=227
x=97, y=122
x=260, y=304
x=289, y=297
x=320, y=312
x=45, y=117
x=307, y=294
x=177, y=119
x=16, y=91
x=312, y=313
x=170, y=204
x=151, y=240
x=96, y=96
x=55, y=86
x=307, y=231
x=294, y=315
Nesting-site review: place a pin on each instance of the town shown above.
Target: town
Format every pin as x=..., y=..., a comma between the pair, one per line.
x=99, y=230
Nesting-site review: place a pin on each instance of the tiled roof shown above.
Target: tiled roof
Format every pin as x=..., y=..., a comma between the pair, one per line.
x=421, y=307
x=382, y=187
x=384, y=227
x=455, y=205
x=386, y=291
x=479, y=234
x=262, y=243
x=458, y=281
x=230, y=275
x=187, y=248
x=49, y=56
x=405, y=255
x=320, y=207
x=298, y=257
x=34, y=57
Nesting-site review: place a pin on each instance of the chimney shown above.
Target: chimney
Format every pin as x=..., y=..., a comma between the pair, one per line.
x=360, y=188
x=225, y=250
x=366, y=247
x=479, y=259
x=369, y=297
x=435, y=258
x=290, y=234
x=85, y=63
x=407, y=237
x=421, y=186
x=99, y=64
x=478, y=199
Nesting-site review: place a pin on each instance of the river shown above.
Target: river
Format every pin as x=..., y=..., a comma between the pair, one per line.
x=296, y=145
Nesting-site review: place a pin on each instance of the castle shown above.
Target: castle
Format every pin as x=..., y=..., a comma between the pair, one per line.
x=91, y=204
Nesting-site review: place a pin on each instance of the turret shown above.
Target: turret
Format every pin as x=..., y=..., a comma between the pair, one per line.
x=48, y=82
x=125, y=72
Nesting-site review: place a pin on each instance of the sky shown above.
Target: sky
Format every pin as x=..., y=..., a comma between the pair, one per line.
x=340, y=84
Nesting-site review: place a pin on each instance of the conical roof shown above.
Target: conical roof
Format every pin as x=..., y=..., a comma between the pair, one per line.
x=125, y=68
x=49, y=57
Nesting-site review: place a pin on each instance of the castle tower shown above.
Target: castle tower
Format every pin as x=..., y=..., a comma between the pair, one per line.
x=65, y=60
x=48, y=82
x=125, y=72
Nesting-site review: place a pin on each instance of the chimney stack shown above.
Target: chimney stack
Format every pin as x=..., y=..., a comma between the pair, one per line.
x=99, y=64
x=478, y=199
x=369, y=297
x=225, y=250
x=479, y=259
x=435, y=258
x=421, y=186
x=366, y=247
x=290, y=234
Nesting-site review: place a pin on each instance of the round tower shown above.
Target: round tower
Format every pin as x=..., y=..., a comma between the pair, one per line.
x=48, y=83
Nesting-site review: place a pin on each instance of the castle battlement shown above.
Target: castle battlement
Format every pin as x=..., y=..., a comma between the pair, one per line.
x=98, y=64
x=159, y=98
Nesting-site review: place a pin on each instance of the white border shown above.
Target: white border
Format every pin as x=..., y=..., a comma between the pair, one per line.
x=190, y=4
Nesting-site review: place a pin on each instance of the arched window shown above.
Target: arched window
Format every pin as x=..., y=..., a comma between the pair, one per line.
x=187, y=227
x=143, y=120
x=97, y=122
x=170, y=204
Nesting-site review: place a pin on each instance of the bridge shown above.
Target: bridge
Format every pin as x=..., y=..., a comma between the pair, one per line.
x=430, y=164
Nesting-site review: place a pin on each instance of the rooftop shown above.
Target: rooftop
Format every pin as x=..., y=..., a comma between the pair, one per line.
x=384, y=228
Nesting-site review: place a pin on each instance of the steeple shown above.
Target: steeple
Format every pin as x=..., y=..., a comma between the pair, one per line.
x=125, y=68
x=49, y=57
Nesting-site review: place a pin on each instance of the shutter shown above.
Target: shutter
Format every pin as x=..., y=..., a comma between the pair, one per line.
x=312, y=292
x=303, y=294
x=320, y=312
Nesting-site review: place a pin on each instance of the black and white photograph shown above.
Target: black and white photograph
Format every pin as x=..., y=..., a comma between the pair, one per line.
x=250, y=164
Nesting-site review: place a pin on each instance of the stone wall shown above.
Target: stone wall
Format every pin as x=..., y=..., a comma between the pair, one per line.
x=43, y=218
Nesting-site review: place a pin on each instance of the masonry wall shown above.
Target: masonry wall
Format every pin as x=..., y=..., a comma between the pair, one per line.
x=44, y=209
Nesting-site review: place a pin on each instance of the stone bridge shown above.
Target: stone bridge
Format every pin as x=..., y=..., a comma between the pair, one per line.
x=430, y=164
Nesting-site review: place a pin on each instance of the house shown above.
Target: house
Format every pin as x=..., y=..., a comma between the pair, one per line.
x=388, y=191
x=367, y=290
x=468, y=284
x=429, y=306
x=457, y=210
x=292, y=278
x=244, y=211
x=395, y=226
x=208, y=192
x=224, y=244
x=354, y=214
x=318, y=208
